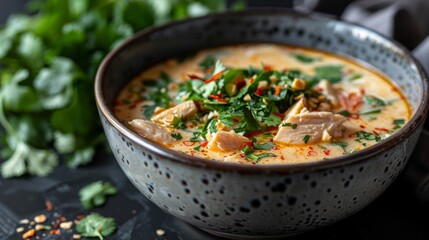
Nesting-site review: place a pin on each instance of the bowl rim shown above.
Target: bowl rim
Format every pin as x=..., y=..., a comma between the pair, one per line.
x=365, y=154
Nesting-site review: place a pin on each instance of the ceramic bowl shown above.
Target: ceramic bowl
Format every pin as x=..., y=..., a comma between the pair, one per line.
x=260, y=201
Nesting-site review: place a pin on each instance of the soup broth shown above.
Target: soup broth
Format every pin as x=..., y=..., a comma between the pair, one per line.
x=262, y=104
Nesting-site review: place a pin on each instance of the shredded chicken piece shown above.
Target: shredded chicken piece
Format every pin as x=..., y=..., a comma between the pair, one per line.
x=225, y=141
x=152, y=131
x=183, y=110
x=319, y=126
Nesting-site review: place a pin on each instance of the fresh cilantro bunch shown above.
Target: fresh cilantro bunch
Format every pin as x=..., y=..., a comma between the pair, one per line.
x=48, y=61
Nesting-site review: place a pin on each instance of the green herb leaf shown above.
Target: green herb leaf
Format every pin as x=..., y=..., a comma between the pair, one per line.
x=332, y=73
x=256, y=158
x=343, y=145
x=306, y=138
x=398, y=123
x=176, y=136
x=94, y=194
x=362, y=135
x=197, y=148
x=376, y=111
x=374, y=101
x=178, y=123
x=304, y=58
x=345, y=113
x=95, y=225
x=263, y=146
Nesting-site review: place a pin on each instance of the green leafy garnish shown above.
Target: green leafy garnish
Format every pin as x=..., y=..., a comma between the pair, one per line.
x=374, y=101
x=343, y=145
x=304, y=58
x=306, y=138
x=362, y=135
x=95, y=225
x=376, y=111
x=178, y=123
x=354, y=76
x=332, y=73
x=263, y=146
x=322, y=147
x=94, y=194
x=176, y=136
x=345, y=113
x=197, y=148
x=398, y=123
x=248, y=152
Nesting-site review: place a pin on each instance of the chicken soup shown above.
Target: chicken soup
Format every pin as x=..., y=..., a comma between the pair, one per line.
x=262, y=104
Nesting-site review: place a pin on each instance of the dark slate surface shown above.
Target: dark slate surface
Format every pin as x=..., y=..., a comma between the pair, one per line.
x=395, y=215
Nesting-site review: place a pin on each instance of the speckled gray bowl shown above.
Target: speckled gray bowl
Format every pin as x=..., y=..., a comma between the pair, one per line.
x=256, y=201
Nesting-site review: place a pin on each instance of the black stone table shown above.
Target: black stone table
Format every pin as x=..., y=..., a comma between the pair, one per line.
x=395, y=215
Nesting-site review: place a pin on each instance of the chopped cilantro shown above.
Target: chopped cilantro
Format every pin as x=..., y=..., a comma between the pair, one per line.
x=95, y=225
x=322, y=147
x=293, y=126
x=343, y=145
x=304, y=58
x=268, y=134
x=176, y=136
x=398, y=123
x=375, y=101
x=376, y=111
x=306, y=138
x=332, y=73
x=178, y=123
x=263, y=146
x=94, y=194
x=345, y=113
x=256, y=158
x=197, y=148
x=354, y=76
x=246, y=149
x=362, y=135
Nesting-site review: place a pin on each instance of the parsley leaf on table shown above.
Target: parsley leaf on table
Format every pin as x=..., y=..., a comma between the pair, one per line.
x=94, y=194
x=95, y=225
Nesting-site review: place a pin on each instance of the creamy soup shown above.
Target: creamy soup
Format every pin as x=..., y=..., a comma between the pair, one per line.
x=262, y=104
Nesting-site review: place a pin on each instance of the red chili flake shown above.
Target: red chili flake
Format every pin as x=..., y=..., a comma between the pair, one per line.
x=281, y=115
x=361, y=126
x=55, y=232
x=192, y=152
x=204, y=144
x=352, y=135
x=327, y=152
x=382, y=129
x=250, y=144
x=282, y=157
x=310, y=153
x=214, y=77
x=344, y=102
x=251, y=80
x=218, y=98
x=194, y=76
x=188, y=143
x=259, y=92
x=376, y=133
x=311, y=148
x=267, y=68
x=276, y=147
x=191, y=126
x=271, y=140
x=49, y=205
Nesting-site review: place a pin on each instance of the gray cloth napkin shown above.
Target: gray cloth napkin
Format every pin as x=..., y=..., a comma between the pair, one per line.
x=406, y=21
